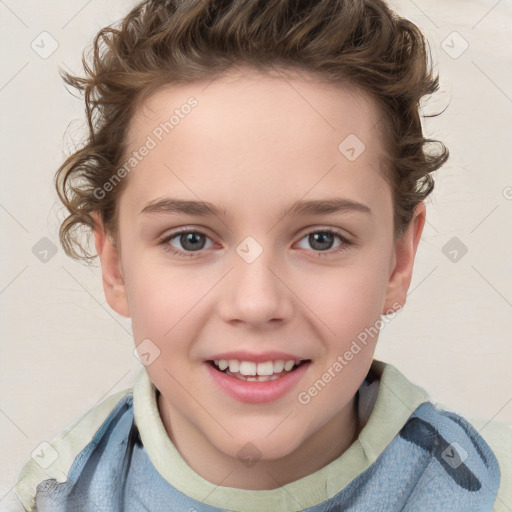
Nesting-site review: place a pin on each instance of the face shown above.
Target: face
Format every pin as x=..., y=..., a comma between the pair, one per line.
x=298, y=257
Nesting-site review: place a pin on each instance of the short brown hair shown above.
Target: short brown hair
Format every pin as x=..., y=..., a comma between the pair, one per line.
x=159, y=42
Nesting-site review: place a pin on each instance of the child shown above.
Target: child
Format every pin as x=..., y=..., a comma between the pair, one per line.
x=282, y=138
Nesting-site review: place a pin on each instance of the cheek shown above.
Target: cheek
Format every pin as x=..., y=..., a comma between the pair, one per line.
x=348, y=305
x=158, y=299
x=169, y=306
x=348, y=299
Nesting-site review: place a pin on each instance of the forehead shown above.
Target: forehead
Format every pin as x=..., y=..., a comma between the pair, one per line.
x=251, y=132
x=248, y=93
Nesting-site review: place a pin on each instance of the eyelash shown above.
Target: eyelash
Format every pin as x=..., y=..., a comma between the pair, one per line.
x=184, y=254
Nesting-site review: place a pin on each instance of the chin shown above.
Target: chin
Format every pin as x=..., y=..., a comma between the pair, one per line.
x=260, y=447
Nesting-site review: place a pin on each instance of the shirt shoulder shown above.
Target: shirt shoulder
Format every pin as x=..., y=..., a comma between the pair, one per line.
x=499, y=438
x=487, y=445
x=53, y=460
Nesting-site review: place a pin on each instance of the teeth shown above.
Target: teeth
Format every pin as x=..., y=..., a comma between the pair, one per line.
x=265, y=368
x=262, y=378
x=278, y=366
x=247, y=368
x=250, y=368
x=288, y=365
x=234, y=365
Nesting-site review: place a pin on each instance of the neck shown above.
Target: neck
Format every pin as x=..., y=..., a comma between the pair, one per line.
x=315, y=452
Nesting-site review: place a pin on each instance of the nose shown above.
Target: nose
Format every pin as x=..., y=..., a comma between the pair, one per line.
x=254, y=293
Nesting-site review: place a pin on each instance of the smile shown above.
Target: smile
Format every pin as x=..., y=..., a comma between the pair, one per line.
x=249, y=386
x=256, y=372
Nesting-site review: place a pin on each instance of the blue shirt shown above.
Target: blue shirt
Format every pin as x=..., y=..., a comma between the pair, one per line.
x=437, y=461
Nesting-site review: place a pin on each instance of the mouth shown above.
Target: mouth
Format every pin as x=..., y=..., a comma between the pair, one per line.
x=251, y=372
x=257, y=383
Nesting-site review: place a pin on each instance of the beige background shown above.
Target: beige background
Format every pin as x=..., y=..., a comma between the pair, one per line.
x=63, y=350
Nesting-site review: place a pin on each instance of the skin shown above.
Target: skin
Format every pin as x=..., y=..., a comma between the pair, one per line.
x=253, y=145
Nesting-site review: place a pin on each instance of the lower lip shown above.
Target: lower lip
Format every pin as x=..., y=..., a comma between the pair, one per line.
x=257, y=392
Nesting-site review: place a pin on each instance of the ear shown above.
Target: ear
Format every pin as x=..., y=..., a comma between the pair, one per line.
x=111, y=270
x=403, y=261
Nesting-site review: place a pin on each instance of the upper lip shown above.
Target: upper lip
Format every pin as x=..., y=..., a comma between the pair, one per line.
x=242, y=355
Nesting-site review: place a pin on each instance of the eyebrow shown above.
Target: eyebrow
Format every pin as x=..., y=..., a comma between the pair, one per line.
x=170, y=205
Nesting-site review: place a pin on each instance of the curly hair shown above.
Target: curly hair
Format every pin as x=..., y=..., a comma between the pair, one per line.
x=161, y=42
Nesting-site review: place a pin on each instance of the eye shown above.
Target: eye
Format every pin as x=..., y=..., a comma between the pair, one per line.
x=322, y=240
x=194, y=241
x=190, y=240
